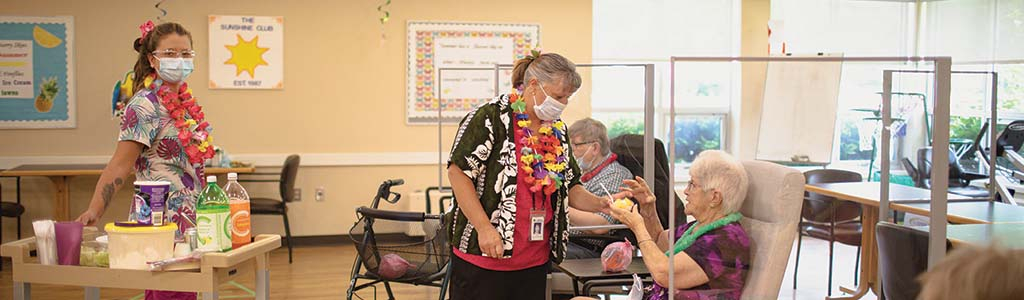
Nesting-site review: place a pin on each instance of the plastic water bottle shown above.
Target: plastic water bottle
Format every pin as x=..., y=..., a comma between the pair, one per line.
x=212, y=218
x=239, y=222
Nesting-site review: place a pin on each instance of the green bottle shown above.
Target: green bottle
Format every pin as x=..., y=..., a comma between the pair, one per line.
x=212, y=216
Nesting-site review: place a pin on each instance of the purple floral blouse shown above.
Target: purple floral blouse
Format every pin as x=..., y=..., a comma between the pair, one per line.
x=147, y=122
x=724, y=255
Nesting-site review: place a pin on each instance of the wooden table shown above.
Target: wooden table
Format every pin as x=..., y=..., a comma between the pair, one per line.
x=868, y=192
x=61, y=176
x=1009, y=235
x=589, y=269
x=867, y=195
x=214, y=270
x=981, y=212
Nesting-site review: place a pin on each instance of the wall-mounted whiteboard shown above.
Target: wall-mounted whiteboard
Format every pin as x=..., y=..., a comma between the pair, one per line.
x=798, y=115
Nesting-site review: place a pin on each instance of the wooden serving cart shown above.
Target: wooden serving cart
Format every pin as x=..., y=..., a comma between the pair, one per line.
x=204, y=277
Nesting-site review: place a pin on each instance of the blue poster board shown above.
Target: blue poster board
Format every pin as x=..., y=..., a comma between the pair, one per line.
x=36, y=72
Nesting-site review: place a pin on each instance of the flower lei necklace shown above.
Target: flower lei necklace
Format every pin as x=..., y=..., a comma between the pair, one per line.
x=689, y=236
x=188, y=117
x=542, y=154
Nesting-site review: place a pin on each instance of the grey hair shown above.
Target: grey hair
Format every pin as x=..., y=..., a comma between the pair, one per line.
x=724, y=173
x=591, y=130
x=553, y=68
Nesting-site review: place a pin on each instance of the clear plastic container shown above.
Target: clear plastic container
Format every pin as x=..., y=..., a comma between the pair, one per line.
x=130, y=247
x=94, y=254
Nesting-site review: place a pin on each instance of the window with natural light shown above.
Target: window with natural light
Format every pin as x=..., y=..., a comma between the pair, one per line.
x=650, y=32
x=980, y=35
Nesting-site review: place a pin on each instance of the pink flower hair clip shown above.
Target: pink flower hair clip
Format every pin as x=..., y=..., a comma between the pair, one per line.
x=146, y=28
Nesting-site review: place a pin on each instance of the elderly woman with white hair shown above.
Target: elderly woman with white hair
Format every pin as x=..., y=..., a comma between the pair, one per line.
x=712, y=254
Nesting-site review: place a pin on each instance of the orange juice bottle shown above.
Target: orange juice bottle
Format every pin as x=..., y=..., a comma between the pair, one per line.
x=239, y=218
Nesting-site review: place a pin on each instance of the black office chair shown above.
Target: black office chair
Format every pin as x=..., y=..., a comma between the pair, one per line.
x=1012, y=136
x=829, y=219
x=270, y=206
x=902, y=256
x=959, y=180
x=630, y=149
x=11, y=210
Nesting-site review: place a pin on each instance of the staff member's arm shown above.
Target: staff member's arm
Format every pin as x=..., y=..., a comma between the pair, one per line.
x=114, y=176
x=469, y=204
x=582, y=218
x=581, y=199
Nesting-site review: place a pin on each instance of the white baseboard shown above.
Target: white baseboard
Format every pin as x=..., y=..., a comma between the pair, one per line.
x=262, y=159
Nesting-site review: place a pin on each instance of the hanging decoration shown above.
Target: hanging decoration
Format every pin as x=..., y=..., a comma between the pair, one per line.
x=385, y=16
x=163, y=12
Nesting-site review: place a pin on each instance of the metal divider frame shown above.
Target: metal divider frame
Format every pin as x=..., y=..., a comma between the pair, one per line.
x=992, y=190
x=940, y=160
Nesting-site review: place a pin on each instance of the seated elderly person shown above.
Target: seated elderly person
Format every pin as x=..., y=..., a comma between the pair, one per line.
x=712, y=254
x=602, y=174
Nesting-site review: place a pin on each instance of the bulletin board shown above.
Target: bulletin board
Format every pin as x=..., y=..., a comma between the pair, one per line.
x=435, y=45
x=37, y=72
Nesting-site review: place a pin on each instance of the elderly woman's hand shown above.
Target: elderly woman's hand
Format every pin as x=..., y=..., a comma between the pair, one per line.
x=629, y=217
x=641, y=191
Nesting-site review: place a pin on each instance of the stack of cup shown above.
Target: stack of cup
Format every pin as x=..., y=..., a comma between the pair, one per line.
x=46, y=247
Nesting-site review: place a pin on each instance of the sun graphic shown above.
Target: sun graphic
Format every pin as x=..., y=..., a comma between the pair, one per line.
x=246, y=55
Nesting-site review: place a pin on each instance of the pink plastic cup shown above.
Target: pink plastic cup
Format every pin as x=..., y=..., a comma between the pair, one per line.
x=69, y=242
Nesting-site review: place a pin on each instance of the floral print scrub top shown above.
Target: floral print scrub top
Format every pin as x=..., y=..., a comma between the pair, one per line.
x=147, y=122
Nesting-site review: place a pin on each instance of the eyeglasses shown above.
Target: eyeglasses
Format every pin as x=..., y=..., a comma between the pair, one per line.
x=577, y=145
x=168, y=53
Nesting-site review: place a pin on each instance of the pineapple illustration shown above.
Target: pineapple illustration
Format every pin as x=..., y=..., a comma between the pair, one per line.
x=47, y=92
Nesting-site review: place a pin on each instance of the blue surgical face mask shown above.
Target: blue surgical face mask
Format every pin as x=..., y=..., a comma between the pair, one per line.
x=175, y=70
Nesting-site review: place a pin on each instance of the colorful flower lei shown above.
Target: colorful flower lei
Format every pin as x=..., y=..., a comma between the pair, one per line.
x=188, y=117
x=542, y=154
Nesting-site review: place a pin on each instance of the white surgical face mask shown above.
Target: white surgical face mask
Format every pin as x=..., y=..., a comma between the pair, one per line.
x=175, y=70
x=550, y=110
x=582, y=162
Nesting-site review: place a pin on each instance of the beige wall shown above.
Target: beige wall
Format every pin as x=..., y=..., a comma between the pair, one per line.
x=344, y=92
x=754, y=42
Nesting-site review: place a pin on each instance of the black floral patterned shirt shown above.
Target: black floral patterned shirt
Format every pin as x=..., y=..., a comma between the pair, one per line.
x=484, y=149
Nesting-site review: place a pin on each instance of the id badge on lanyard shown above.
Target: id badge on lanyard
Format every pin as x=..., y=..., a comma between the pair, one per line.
x=537, y=215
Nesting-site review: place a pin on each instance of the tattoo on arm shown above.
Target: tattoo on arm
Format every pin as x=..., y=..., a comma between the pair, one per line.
x=109, y=190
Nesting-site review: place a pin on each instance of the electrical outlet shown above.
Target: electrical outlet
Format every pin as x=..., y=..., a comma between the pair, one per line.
x=320, y=193
x=298, y=195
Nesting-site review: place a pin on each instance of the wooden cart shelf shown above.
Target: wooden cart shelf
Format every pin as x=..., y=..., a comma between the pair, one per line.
x=214, y=270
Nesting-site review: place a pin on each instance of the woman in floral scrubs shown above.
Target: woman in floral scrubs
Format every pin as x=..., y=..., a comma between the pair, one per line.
x=162, y=134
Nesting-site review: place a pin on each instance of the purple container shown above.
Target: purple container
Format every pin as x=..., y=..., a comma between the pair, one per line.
x=69, y=242
x=149, y=204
